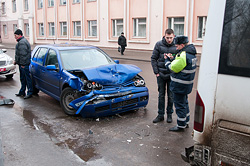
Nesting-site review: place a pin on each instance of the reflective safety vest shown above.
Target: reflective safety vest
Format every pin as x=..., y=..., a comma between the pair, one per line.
x=182, y=75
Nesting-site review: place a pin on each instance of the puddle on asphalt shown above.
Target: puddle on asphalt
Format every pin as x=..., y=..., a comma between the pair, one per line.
x=85, y=151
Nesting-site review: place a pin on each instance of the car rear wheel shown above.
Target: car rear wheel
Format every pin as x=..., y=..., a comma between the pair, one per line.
x=9, y=76
x=67, y=96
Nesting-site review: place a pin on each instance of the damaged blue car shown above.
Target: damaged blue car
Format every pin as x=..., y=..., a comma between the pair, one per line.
x=86, y=80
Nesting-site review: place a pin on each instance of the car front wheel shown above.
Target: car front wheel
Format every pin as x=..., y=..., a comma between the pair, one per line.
x=67, y=96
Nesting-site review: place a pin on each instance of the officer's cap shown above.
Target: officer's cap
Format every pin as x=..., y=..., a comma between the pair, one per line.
x=181, y=39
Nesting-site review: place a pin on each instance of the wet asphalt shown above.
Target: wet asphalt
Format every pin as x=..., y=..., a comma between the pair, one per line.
x=37, y=132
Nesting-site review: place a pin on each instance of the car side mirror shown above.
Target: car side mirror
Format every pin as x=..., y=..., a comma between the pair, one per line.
x=116, y=61
x=51, y=67
x=4, y=50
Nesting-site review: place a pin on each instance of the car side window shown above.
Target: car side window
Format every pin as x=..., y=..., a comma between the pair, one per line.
x=41, y=55
x=34, y=58
x=52, y=58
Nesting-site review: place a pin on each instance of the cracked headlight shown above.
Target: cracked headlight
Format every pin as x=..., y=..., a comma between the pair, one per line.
x=93, y=85
x=138, y=81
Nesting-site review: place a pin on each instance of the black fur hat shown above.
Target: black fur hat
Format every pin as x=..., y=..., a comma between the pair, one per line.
x=18, y=32
x=181, y=40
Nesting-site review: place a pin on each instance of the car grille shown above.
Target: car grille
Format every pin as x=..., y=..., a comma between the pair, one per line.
x=2, y=63
x=116, y=106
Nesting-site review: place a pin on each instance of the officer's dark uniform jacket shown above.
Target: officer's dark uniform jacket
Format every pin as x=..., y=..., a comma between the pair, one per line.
x=183, y=70
x=23, y=52
x=157, y=58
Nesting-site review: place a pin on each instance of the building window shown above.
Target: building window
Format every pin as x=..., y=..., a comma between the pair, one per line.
x=13, y=6
x=177, y=24
x=5, y=30
x=139, y=25
x=14, y=27
x=40, y=3
x=51, y=29
x=92, y=28
x=91, y=0
x=76, y=1
x=62, y=2
x=41, y=29
x=63, y=27
x=26, y=5
x=77, y=28
x=117, y=27
x=3, y=8
x=27, y=29
x=201, y=27
x=51, y=3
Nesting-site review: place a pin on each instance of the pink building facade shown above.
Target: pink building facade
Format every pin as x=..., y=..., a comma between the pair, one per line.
x=100, y=22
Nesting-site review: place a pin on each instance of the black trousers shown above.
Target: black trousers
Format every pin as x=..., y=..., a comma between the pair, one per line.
x=122, y=49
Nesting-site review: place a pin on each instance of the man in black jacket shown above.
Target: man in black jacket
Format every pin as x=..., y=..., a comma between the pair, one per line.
x=22, y=58
x=163, y=47
x=122, y=42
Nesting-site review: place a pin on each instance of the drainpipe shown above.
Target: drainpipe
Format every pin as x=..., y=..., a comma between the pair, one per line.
x=187, y=18
x=20, y=15
x=31, y=18
x=191, y=22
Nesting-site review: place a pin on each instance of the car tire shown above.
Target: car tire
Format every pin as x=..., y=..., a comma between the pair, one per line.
x=67, y=96
x=9, y=76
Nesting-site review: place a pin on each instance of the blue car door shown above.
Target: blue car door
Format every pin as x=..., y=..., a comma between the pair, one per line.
x=37, y=67
x=51, y=76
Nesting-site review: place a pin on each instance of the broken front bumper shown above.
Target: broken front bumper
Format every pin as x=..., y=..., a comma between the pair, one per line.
x=110, y=101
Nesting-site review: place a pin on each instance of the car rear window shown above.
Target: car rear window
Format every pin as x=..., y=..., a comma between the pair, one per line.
x=235, y=46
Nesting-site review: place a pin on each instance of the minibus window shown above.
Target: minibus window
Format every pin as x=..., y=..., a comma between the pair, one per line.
x=235, y=45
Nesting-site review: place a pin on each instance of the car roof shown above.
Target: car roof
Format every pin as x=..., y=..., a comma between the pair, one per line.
x=67, y=46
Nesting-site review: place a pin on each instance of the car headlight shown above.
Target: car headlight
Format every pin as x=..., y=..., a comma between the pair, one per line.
x=93, y=85
x=9, y=61
x=138, y=81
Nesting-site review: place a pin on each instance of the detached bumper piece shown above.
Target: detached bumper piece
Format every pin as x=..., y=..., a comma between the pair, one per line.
x=109, y=102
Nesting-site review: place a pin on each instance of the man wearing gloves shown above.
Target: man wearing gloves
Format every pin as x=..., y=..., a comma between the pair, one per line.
x=182, y=68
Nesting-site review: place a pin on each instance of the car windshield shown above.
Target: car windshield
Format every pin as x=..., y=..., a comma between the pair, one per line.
x=84, y=58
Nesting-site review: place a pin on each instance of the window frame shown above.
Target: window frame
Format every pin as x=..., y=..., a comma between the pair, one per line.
x=62, y=25
x=136, y=26
x=27, y=32
x=172, y=22
x=5, y=30
x=14, y=27
x=90, y=28
x=26, y=5
x=76, y=1
x=51, y=29
x=115, y=32
x=75, y=28
x=3, y=8
x=63, y=2
x=41, y=29
x=40, y=4
x=13, y=6
x=201, y=33
x=51, y=3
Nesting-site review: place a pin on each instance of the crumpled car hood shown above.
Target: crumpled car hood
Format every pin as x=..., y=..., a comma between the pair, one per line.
x=112, y=74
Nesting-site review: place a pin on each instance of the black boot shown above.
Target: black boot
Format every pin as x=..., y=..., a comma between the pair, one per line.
x=158, y=119
x=176, y=129
x=169, y=118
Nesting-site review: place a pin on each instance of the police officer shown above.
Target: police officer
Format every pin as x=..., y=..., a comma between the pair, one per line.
x=182, y=68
